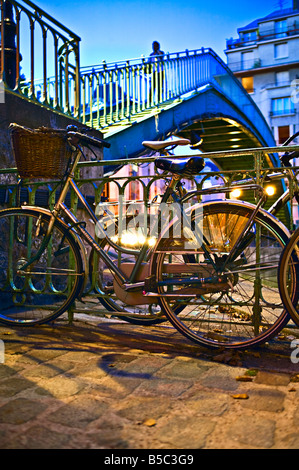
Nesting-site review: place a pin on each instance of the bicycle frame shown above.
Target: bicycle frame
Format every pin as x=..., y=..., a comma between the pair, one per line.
x=129, y=281
x=78, y=227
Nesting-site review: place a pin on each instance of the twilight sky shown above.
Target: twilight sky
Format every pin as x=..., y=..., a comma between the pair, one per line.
x=115, y=30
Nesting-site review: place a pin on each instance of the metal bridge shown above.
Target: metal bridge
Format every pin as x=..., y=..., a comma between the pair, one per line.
x=191, y=93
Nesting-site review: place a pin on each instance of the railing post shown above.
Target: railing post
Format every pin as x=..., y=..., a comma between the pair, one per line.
x=10, y=57
x=127, y=114
x=77, y=81
x=104, y=92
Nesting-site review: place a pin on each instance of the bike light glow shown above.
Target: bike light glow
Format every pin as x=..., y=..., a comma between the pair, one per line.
x=236, y=193
x=270, y=190
x=136, y=239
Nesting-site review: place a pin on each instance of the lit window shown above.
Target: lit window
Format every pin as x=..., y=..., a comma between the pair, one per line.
x=247, y=83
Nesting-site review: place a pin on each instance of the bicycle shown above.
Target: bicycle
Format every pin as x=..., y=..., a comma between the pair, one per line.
x=216, y=282
x=288, y=270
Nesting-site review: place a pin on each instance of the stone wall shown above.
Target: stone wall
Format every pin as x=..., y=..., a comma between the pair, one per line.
x=20, y=110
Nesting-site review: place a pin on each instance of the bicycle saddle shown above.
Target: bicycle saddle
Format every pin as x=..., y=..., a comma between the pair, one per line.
x=187, y=166
x=160, y=145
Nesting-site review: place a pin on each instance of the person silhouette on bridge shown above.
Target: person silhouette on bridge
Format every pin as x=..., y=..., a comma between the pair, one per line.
x=157, y=73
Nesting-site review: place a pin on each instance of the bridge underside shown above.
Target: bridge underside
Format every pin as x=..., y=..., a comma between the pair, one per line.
x=209, y=114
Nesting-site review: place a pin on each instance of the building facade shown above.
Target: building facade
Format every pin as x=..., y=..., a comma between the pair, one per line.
x=265, y=58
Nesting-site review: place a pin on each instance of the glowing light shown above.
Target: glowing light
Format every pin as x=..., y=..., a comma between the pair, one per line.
x=151, y=241
x=236, y=193
x=136, y=239
x=270, y=190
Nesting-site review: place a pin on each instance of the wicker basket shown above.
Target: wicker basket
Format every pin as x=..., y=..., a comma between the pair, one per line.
x=39, y=153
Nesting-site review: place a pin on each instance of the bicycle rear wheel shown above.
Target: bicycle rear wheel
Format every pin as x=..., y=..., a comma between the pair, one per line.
x=235, y=309
x=46, y=288
x=288, y=277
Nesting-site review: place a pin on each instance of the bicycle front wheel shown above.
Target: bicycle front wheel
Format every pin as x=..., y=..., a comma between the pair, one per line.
x=237, y=305
x=288, y=277
x=43, y=290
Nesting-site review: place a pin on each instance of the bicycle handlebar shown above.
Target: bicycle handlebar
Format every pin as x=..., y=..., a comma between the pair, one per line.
x=288, y=156
x=86, y=139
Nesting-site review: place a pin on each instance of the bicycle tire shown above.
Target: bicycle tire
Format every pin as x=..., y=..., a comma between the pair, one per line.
x=48, y=287
x=222, y=316
x=288, y=277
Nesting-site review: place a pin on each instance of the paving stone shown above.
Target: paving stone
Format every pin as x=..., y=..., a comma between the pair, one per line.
x=207, y=404
x=14, y=385
x=221, y=377
x=155, y=387
x=268, y=378
x=88, y=371
x=290, y=441
x=114, y=386
x=146, y=367
x=20, y=411
x=140, y=409
x=59, y=387
x=105, y=439
x=183, y=370
x=185, y=432
x=47, y=370
x=6, y=371
x=39, y=437
x=252, y=431
x=79, y=412
x=265, y=400
x=80, y=356
x=296, y=416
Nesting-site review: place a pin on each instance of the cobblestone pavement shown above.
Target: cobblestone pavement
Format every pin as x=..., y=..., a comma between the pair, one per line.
x=112, y=385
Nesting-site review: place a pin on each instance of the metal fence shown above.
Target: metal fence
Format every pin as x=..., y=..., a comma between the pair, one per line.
x=36, y=45
x=42, y=63
x=136, y=188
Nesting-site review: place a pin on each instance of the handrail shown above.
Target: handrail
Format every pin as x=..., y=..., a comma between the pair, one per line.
x=17, y=17
x=114, y=93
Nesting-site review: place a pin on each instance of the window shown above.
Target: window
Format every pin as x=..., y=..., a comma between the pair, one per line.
x=283, y=134
x=282, y=106
x=282, y=78
x=247, y=83
x=247, y=60
x=281, y=50
x=281, y=28
x=251, y=36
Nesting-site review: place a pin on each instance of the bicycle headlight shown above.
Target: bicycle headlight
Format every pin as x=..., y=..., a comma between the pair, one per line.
x=270, y=190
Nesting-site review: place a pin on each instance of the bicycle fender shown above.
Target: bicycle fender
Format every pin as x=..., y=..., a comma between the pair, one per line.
x=200, y=207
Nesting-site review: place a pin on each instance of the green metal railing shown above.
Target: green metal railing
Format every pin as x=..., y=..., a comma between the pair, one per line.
x=119, y=92
x=136, y=189
x=37, y=45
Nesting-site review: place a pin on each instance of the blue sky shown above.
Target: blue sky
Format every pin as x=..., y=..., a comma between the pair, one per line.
x=114, y=30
